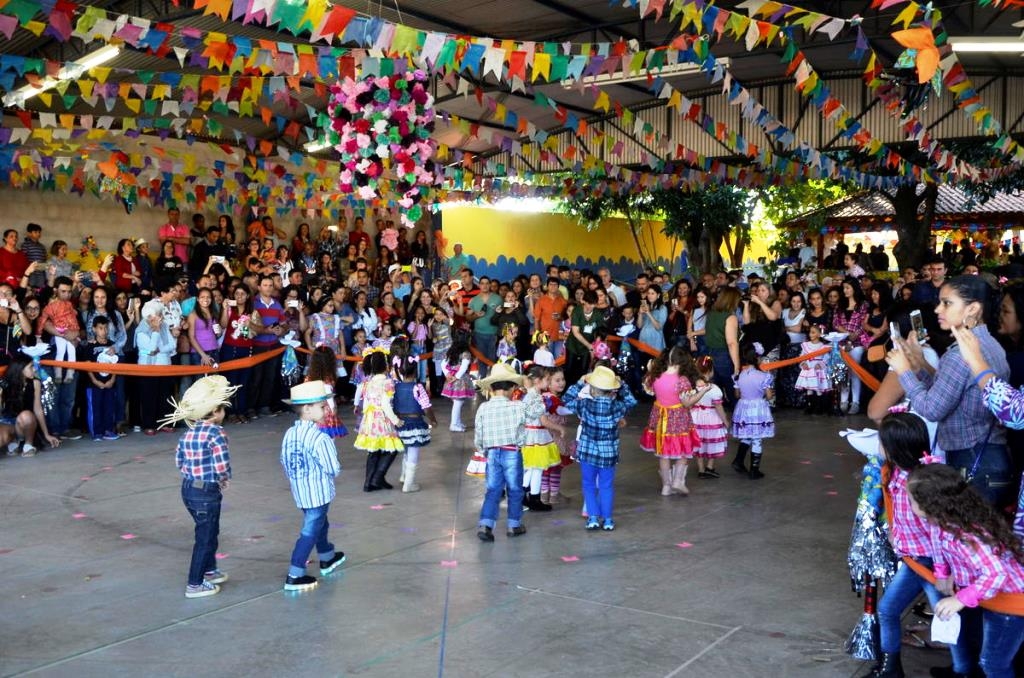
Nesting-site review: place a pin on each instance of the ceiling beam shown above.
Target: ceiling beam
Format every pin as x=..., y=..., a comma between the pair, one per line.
x=588, y=20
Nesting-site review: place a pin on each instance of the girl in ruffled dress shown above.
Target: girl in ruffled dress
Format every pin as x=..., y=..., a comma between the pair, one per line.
x=551, y=479
x=814, y=372
x=411, y=404
x=323, y=366
x=506, y=352
x=670, y=433
x=457, y=383
x=377, y=433
x=711, y=422
x=539, y=449
x=752, y=419
x=441, y=336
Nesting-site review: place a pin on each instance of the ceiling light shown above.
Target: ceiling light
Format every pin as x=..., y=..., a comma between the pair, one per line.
x=987, y=45
x=664, y=72
x=317, y=146
x=74, y=69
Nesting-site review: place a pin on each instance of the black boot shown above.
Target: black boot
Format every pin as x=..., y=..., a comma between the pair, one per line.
x=741, y=455
x=386, y=459
x=535, y=504
x=812, y=403
x=888, y=666
x=372, y=459
x=755, y=467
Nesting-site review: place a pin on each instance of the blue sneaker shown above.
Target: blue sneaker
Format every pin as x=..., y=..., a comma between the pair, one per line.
x=593, y=523
x=110, y=435
x=609, y=525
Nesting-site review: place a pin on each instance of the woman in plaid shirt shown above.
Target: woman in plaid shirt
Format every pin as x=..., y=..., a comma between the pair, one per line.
x=601, y=401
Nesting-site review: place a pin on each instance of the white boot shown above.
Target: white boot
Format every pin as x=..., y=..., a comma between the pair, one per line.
x=401, y=477
x=409, y=482
x=679, y=479
x=666, y=482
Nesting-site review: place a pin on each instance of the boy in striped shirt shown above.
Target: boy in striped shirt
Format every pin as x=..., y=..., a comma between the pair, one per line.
x=310, y=461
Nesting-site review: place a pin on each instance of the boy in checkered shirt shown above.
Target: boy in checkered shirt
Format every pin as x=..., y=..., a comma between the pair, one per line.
x=500, y=433
x=205, y=465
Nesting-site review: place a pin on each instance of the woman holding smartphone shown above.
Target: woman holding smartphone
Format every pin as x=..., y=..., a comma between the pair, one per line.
x=952, y=397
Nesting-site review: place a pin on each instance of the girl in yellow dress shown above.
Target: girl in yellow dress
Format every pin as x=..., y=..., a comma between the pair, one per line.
x=377, y=434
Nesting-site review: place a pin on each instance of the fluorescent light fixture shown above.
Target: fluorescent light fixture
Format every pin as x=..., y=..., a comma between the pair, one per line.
x=73, y=70
x=663, y=72
x=987, y=45
x=317, y=146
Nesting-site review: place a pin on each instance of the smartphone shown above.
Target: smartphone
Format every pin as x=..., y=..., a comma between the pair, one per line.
x=333, y=228
x=894, y=334
x=917, y=322
x=231, y=302
x=293, y=303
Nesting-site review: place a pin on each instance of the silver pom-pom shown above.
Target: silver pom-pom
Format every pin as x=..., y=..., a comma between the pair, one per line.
x=864, y=640
x=47, y=392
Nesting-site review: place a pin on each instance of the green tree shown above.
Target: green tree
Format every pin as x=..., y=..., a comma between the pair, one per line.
x=705, y=220
x=638, y=210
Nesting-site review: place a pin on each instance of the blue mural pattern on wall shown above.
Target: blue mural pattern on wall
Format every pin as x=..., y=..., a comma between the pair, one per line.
x=622, y=269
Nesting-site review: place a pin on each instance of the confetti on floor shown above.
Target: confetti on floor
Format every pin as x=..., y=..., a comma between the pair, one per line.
x=221, y=556
x=449, y=563
x=684, y=544
x=78, y=516
x=127, y=535
x=570, y=559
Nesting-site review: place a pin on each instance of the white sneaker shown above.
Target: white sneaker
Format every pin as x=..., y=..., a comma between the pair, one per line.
x=854, y=408
x=201, y=590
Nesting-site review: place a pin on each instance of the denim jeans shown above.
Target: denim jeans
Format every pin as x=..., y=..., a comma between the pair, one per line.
x=486, y=344
x=238, y=377
x=314, y=533
x=992, y=475
x=723, y=373
x=263, y=381
x=99, y=410
x=59, y=418
x=504, y=471
x=204, y=507
x=1003, y=636
x=557, y=349
x=598, y=489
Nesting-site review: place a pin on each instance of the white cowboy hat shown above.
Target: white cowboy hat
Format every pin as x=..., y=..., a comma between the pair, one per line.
x=604, y=379
x=500, y=372
x=308, y=392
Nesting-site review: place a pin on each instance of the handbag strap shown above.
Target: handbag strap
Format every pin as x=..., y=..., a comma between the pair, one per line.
x=979, y=453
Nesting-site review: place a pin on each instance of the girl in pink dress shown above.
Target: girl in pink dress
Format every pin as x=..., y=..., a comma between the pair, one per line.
x=711, y=422
x=670, y=433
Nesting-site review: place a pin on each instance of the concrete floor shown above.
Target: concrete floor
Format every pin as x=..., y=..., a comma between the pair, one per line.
x=741, y=578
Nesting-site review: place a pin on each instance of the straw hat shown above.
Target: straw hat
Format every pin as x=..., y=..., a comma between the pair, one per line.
x=604, y=379
x=200, y=400
x=308, y=392
x=500, y=372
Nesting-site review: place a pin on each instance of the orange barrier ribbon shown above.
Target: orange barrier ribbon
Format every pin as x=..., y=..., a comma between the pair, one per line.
x=132, y=369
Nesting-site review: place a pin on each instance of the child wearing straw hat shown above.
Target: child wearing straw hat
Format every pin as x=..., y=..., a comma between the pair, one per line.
x=597, y=449
x=205, y=466
x=310, y=461
x=500, y=434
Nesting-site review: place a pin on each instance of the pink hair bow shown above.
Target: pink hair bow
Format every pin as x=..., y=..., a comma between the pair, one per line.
x=931, y=459
x=896, y=409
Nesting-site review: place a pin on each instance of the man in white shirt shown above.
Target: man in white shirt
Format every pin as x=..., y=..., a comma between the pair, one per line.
x=616, y=293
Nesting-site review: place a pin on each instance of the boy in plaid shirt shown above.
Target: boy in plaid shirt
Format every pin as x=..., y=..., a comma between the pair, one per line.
x=205, y=466
x=500, y=432
x=601, y=415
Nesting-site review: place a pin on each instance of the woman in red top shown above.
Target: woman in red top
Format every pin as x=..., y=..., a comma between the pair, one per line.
x=300, y=240
x=127, y=276
x=387, y=309
x=239, y=325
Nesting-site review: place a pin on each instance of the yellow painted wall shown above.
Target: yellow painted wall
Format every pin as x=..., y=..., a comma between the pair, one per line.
x=489, y=235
